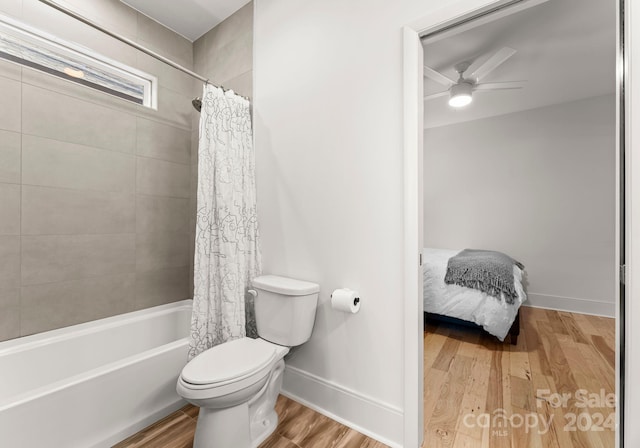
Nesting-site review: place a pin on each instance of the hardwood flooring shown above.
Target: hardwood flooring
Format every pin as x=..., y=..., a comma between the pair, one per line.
x=298, y=427
x=480, y=393
x=473, y=383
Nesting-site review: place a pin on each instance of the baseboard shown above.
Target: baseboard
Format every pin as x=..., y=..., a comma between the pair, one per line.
x=572, y=304
x=375, y=419
x=140, y=425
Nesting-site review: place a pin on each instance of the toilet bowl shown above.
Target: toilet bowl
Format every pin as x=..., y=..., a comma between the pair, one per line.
x=241, y=377
x=236, y=384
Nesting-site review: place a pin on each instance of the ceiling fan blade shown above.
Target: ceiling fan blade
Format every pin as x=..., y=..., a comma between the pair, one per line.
x=436, y=95
x=479, y=71
x=511, y=85
x=438, y=77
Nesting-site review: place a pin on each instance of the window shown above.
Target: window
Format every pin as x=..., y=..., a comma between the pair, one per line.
x=33, y=48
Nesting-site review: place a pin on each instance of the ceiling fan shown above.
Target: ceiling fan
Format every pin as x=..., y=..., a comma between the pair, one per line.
x=460, y=91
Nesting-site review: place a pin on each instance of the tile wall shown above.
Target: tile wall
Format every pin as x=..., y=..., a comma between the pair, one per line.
x=96, y=193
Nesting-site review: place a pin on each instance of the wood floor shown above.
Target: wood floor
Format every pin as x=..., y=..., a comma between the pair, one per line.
x=298, y=427
x=471, y=378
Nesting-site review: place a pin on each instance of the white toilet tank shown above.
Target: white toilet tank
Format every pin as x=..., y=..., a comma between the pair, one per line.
x=285, y=309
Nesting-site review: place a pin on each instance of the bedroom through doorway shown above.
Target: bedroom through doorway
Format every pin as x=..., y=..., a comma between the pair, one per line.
x=522, y=227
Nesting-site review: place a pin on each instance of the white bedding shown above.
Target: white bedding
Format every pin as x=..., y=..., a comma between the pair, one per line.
x=493, y=314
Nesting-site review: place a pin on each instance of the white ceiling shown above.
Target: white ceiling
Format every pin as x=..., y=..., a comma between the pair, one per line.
x=566, y=51
x=189, y=18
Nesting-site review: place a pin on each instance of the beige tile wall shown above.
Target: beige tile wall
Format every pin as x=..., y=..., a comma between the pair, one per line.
x=95, y=192
x=225, y=54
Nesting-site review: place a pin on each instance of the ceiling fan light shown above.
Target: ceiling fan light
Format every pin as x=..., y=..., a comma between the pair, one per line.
x=460, y=95
x=460, y=101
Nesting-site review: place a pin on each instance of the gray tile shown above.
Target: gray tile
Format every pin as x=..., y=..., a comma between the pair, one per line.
x=56, y=305
x=9, y=262
x=175, y=108
x=61, y=117
x=161, y=250
x=55, y=258
x=162, y=214
x=9, y=209
x=9, y=157
x=11, y=110
x=174, y=118
x=167, y=76
x=198, y=88
x=193, y=213
x=200, y=49
x=56, y=211
x=199, y=61
x=10, y=70
x=236, y=26
x=242, y=84
x=157, y=177
x=52, y=163
x=193, y=192
x=231, y=60
x=83, y=93
x=11, y=7
x=195, y=115
x=164, y=142
x=163, y=286
x=113, y=14
x=166, y=42
x=195, y=142
x=9, y=314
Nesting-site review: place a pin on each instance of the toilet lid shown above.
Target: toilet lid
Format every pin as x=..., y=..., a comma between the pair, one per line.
x=228, y=361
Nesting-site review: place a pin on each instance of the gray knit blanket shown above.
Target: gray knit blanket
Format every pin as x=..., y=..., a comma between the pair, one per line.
x=485, y=270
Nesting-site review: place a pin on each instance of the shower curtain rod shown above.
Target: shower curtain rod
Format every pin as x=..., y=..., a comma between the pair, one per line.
x=131, y=43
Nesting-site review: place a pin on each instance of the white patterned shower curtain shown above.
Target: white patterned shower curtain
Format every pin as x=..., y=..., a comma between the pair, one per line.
x=227, y=255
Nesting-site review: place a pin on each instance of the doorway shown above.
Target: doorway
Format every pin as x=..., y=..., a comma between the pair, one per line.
x=446, y=237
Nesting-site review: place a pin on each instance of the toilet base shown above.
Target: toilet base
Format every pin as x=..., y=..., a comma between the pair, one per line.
x=264, y=418
x=214, y=425
x=225, y=429
x=245, y=425
x=262, y=433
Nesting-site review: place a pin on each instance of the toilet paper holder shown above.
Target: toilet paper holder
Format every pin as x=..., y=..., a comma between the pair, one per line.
x=356, y=300
x=346, y=300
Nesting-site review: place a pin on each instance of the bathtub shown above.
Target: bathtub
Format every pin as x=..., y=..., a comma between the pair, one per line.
x=93, y=384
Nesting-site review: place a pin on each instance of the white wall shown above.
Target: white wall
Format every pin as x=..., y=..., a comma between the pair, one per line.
x=538, y=185
x=329, y=135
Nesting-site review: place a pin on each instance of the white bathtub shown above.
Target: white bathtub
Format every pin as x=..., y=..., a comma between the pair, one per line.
x=93, y=384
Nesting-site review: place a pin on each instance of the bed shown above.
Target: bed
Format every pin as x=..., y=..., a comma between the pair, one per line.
x=459, y=303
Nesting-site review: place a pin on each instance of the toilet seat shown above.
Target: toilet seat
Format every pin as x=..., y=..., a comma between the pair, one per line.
x=229, y=368
x=228, y=362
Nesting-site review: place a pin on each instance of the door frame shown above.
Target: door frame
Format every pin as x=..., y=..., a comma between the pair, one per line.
x=627, y=216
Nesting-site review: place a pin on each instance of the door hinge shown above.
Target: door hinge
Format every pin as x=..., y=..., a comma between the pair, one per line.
x=623, y=274
x=420, y=260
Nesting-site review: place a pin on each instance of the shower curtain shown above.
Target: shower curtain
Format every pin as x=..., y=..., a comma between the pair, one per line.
x=226, y=255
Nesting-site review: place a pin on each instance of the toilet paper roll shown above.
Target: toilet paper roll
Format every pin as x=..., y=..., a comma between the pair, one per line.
x=345, y=300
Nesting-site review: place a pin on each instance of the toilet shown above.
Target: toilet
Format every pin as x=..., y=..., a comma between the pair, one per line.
x=236, y=384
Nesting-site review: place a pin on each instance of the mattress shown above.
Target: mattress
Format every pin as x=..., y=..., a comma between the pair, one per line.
x=493, y=314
